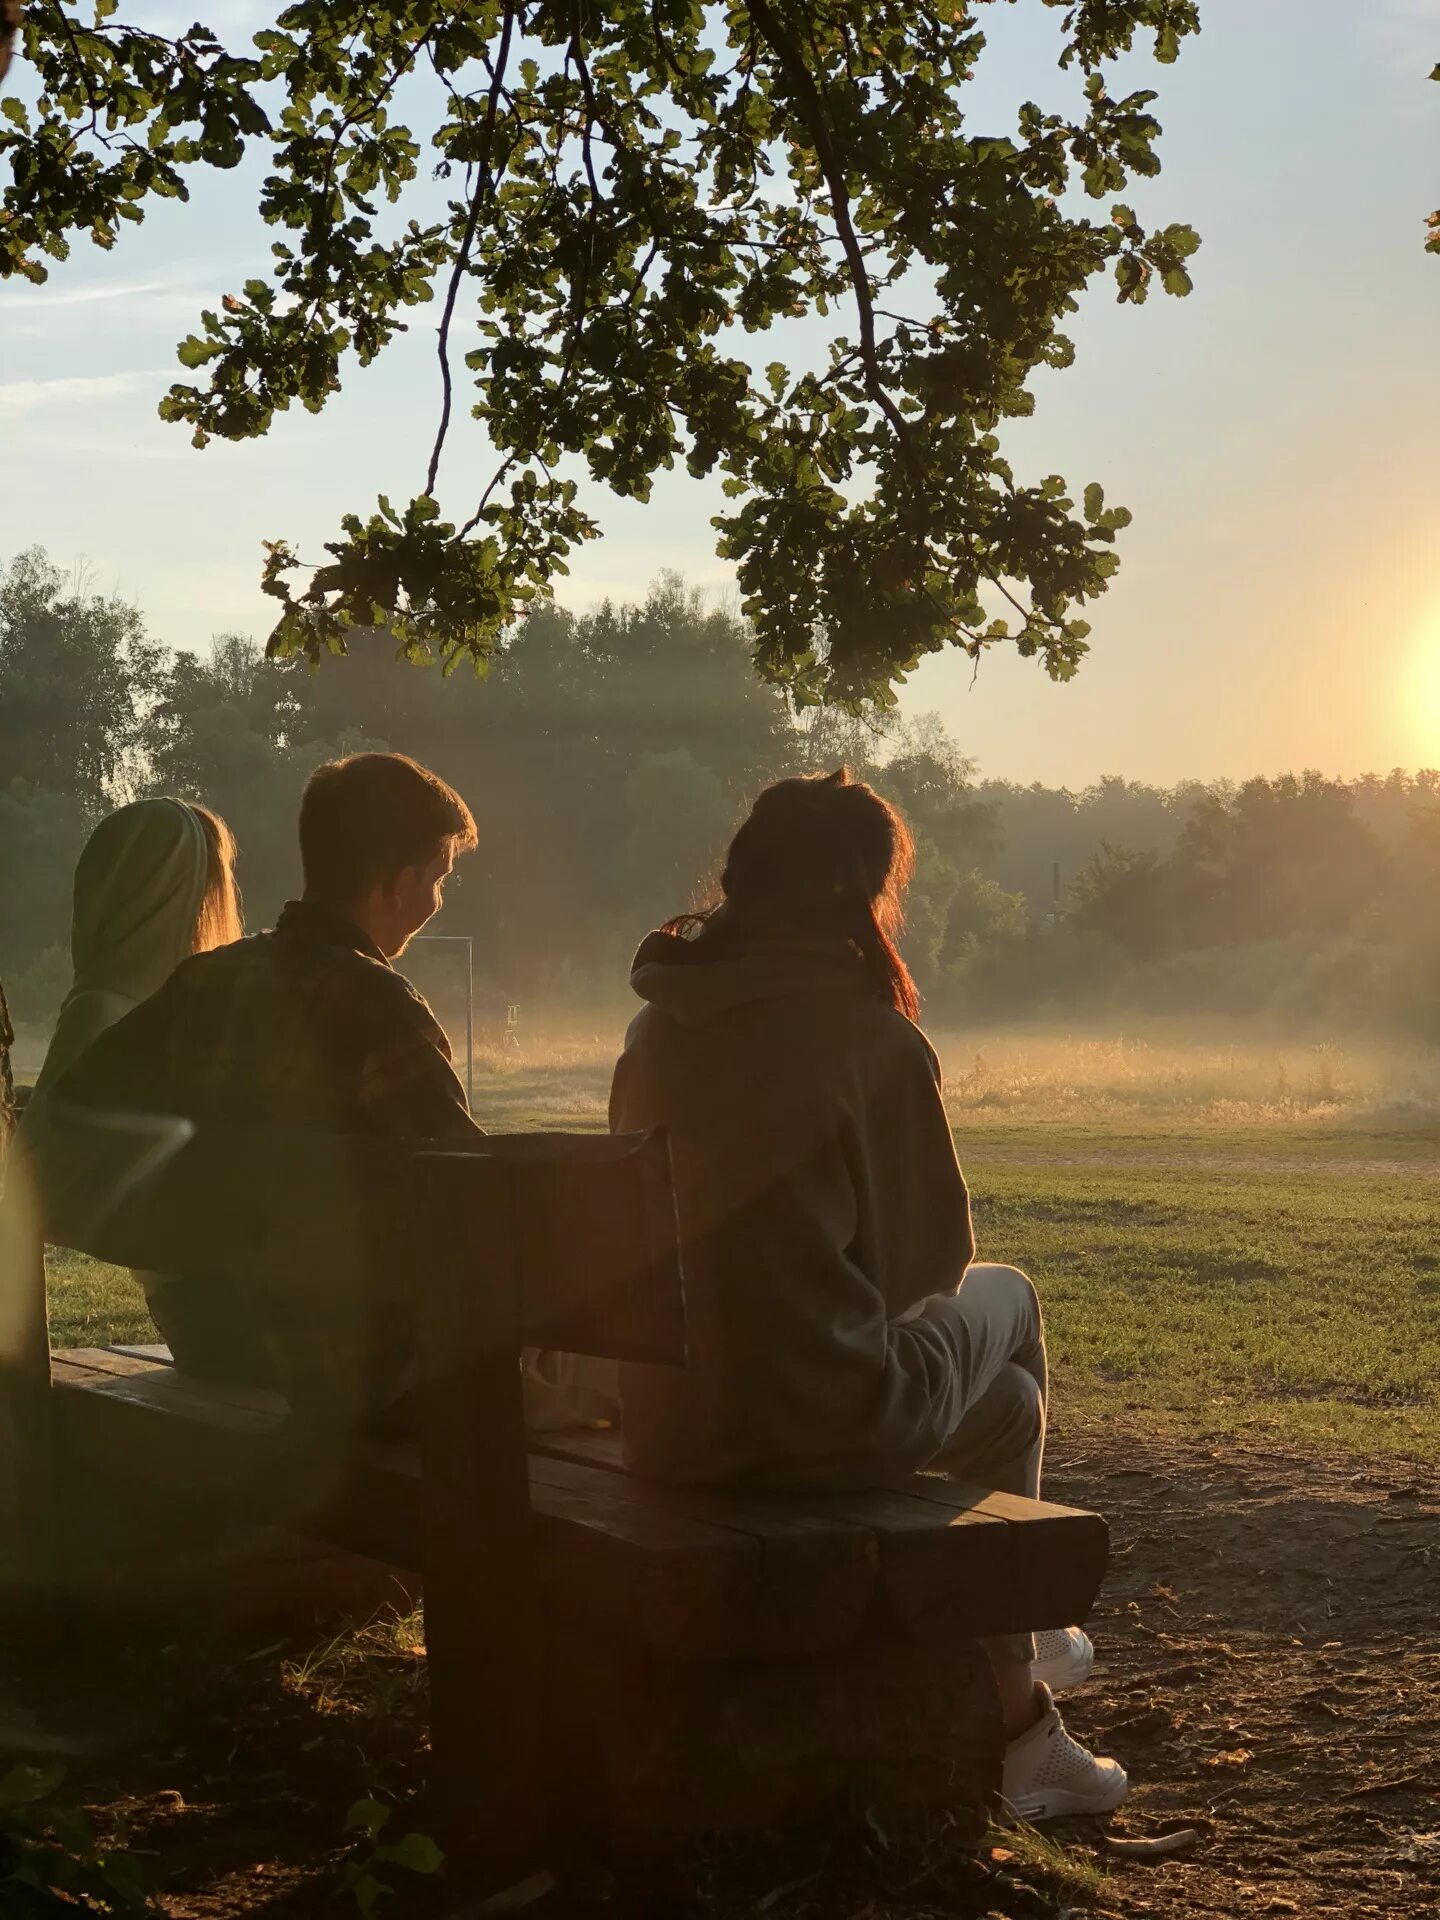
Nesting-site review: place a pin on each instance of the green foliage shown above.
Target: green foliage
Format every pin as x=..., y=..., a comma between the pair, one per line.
x=1291, y=855
x=626, y=190
x=79, y=677
x=962, y=929
x=38, y=988
x=219, y=721
x=364, y=1873
x=1066, y=1873
x=679, y=821
x=1121, y=893
x=77, y=674
x=1303, y=899
x=608, y=756
x=1043, y=828
x=50, y=1859
x=41, y=834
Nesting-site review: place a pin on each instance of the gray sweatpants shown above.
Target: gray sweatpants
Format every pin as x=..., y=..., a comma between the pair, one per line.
x=1000, y=1439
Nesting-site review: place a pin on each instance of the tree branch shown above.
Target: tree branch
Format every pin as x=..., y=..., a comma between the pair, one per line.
x=581, y=291
x=661, y=43
x=483, y=186
x=812, y=111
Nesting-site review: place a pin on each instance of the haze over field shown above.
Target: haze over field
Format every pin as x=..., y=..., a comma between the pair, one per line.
x=609, y=758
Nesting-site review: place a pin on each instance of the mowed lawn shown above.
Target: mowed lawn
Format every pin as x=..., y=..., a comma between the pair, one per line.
x=1265, y=1279
x=1226, y=1280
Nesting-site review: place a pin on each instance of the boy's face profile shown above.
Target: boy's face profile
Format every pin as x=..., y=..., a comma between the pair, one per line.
x=409, y=901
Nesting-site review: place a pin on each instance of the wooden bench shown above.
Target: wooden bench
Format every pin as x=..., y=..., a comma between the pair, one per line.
x=605, y=1653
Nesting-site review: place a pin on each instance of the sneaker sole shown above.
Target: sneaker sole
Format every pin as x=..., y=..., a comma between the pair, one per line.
x=1064, y=1805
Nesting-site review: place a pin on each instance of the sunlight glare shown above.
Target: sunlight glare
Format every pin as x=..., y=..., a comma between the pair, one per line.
x=1422, y=690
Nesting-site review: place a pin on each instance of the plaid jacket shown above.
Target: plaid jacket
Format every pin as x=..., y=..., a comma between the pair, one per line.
x=307, y=1026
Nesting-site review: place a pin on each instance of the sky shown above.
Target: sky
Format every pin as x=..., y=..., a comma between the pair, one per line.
x=1275, y=435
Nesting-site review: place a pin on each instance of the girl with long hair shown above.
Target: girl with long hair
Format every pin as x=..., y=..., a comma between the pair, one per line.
x=155, y=883
x=840, y=1330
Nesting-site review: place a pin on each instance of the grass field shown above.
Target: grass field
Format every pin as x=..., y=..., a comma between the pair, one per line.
x=1227, y=1240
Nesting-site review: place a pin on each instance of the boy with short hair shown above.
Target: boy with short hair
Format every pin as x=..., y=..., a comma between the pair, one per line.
x=309, y=1026
x=306, y=1026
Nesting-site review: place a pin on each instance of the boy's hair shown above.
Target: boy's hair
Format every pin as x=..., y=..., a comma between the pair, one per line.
x=367, y=818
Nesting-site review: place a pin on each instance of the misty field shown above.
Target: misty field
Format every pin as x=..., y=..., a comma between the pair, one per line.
x=1228, y=1236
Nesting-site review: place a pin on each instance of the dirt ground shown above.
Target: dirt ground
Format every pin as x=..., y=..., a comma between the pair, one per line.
x=1269, y=1672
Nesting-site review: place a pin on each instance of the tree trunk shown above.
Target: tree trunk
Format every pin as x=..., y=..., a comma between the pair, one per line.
x=9, y=27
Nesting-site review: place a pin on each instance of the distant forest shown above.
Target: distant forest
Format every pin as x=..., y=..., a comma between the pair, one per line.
x=608, y=755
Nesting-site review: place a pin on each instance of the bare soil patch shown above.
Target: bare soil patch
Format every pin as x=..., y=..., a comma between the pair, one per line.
x=1269, y=1672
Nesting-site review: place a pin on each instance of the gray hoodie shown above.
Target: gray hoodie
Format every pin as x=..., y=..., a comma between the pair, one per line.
x=824, y=1222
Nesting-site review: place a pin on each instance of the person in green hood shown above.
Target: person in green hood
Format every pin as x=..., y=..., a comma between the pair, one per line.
x=154, y=884
x=841, y=1331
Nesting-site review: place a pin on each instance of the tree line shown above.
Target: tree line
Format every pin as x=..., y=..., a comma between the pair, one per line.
x=607, y=755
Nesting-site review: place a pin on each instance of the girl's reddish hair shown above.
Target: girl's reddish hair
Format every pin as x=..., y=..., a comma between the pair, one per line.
x=823, y=853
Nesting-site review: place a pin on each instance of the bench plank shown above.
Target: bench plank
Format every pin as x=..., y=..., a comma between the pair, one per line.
x=851, y=1518
x=701, y=1572
x=819, y=1577
x=812, y=1578
x=693, y=1587
x=111, y=1360
x=1023, y=1563
x=1058, y=1554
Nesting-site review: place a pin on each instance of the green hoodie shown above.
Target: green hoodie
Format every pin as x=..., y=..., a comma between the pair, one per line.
x=824, y=1222
x=139, y=886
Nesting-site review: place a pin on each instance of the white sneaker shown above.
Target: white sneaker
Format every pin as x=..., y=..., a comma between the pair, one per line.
x=1063, y=1658
x=1049, y=1776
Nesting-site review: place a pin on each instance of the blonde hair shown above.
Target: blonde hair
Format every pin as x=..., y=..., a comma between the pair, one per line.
x=220, y=919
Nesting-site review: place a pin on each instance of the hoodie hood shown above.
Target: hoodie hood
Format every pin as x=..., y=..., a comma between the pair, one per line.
x=695, y=986
x=139, y=886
